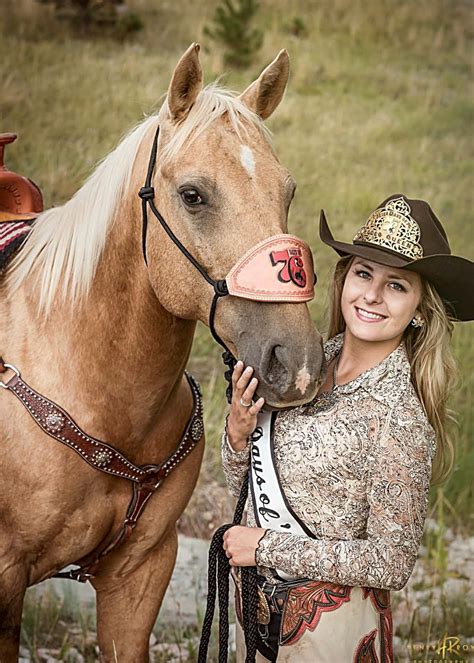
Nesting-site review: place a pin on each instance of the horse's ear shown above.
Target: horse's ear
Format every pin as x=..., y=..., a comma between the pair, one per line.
x=185, y=84
x=264, y=94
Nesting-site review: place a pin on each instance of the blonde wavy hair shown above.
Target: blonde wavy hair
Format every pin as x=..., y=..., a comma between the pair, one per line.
x=433, y=369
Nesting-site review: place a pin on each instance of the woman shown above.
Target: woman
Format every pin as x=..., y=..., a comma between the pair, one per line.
x=337, y=507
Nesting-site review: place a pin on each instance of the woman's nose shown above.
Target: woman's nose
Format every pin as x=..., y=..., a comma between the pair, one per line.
x=373, y=293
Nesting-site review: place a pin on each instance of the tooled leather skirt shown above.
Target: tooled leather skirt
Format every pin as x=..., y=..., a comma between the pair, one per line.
x=319, y=622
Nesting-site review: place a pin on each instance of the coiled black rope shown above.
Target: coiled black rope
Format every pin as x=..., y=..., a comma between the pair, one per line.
x=218, y=583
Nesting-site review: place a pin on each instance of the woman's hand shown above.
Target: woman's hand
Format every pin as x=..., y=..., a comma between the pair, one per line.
x=240, y=544
x=242, y=419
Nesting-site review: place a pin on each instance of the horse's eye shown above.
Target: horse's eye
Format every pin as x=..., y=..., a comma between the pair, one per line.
x=191, y=197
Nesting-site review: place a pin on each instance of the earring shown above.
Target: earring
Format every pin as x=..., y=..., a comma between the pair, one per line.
x=417, y=321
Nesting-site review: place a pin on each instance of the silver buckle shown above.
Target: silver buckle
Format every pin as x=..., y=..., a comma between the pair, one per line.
x=12, y=368
x=271, y=587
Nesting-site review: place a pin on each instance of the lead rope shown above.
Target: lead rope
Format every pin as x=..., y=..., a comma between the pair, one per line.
x=219, y=568
x=218, y=583
x=218, y=564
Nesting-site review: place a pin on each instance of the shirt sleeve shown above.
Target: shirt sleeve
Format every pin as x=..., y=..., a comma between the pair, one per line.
x=234, y=463
x=397, y=496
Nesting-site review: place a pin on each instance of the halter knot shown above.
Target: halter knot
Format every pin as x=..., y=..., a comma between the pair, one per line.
x=220, y=288
x=147, y=192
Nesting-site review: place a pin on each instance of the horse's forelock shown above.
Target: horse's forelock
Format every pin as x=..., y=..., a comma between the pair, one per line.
x=212, y=103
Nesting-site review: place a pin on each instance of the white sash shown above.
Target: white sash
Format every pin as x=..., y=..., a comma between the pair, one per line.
x=271, y=508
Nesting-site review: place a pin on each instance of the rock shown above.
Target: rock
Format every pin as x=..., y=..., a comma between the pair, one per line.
x=448, y=535
x=402, y=613
x=425, y=597
x=423, y=614
x=47, y=655
x=73, y=656
x=454, y=587
x=399, y=647
x=431, y=526
x=174, y=653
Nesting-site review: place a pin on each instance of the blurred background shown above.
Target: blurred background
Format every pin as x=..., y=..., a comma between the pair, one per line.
x=380, y=100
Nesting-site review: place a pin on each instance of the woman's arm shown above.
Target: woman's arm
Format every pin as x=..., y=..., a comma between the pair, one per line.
x=397, y=495
x=234, y=463
x=240, y=422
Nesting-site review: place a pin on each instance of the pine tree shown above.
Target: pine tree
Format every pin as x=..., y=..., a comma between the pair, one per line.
x=232, y=27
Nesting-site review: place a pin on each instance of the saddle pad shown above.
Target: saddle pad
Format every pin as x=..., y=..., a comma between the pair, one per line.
x=12, y=236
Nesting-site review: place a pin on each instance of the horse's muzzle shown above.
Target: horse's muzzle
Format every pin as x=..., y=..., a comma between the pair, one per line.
x=289, y=374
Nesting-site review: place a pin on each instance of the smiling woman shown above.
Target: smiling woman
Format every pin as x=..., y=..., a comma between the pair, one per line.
x=377, y=304
x=339, y=487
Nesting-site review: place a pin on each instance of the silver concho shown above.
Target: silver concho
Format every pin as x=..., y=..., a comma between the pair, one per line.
x=102, y=457
x=54, y=422
x=197, y=429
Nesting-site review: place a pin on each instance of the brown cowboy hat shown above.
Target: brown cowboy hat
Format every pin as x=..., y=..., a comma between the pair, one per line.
x=407, y=234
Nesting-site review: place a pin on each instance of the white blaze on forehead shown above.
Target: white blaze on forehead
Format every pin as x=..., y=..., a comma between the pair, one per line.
x=247, y=160
x=303, y=379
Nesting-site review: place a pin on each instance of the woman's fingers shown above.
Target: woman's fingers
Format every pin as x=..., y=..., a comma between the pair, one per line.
x=243, y=381
x=237, y=372
x=249, y=392
x=242, y=417
x=257, y=406
x=241, y=378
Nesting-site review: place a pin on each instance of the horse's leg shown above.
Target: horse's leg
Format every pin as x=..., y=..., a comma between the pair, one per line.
x=128, y=604
x=13, y=583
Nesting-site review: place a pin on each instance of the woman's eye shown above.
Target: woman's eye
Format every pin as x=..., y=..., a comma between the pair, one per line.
x=362, y=273
x=397, y=286
x=191, y=197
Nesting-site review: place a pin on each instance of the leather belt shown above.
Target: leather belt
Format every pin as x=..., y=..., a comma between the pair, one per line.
x=276, y=595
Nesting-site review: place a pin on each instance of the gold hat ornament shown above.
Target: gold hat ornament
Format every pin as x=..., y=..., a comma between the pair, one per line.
x=392, y=226
x=406, y=233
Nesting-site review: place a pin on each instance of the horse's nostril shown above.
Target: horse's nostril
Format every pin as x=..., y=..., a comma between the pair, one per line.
x=276, y=373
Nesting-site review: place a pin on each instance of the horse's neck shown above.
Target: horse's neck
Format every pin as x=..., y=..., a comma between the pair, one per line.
x=125, y=352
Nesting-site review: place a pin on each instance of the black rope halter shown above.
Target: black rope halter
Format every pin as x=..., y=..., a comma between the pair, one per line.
x=147, y=195
x=219, y=568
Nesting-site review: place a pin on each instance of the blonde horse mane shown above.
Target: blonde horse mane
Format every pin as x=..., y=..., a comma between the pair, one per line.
x=66, y=242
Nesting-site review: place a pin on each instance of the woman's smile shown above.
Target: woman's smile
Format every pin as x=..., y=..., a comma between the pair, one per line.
x=368, y=316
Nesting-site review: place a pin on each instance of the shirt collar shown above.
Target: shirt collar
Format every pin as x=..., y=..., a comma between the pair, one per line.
x=385, y=382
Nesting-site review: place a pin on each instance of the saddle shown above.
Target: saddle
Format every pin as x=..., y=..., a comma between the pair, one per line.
x=20, y=203
x=20, y=198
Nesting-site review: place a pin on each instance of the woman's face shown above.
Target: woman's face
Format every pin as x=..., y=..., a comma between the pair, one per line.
x=379, y=302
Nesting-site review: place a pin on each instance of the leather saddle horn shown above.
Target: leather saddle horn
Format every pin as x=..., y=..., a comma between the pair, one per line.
x=20, y=198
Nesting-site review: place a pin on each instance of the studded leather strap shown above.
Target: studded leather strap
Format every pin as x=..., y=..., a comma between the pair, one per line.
x=57, y=423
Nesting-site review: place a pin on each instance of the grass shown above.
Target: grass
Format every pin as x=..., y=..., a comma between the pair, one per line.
x=379, y=101
x=64, y=625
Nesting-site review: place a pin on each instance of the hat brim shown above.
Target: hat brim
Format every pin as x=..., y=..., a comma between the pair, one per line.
x=450, y=275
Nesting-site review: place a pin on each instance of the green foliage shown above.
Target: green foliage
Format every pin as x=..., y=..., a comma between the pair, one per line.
x=297, y=27
x=232, y=28
x=88, y=15
x=62, y=624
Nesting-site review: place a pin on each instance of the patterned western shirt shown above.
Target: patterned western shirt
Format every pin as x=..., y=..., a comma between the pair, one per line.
x=357, y=472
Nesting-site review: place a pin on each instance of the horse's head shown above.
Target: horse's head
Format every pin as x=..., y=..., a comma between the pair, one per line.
x=222, y=190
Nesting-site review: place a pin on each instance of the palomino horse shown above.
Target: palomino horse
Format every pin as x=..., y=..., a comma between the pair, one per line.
x=106, y=335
